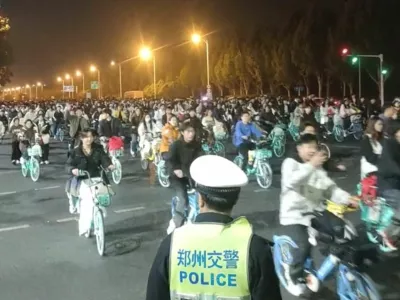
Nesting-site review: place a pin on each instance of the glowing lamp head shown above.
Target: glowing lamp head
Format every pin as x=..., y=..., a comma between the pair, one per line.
x=67, y=76
x=39, y=84
x=112, y=63
x=27, y=86
x=196, y=38
x=59, y=79
x=93, y=69
x=78, y=73
x=145, y=53
x=345, y=51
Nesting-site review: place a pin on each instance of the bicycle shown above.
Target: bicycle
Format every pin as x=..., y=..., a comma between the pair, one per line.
x=32, y=165
x=162, y=171
x=278, y=140
x=60, y=134
x=101, y=197
x=216, y=148
x=351, y=284
x=324, y=147
x=294, y=132
x=151, y=147
x=260, y=167
x=355, y=129
x=192, y=209
x=115, y=153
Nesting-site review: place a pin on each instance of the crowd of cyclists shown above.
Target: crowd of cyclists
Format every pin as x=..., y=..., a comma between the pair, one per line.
x=179, y=129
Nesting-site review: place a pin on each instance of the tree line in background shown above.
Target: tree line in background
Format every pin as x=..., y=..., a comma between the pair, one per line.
x=303, y=54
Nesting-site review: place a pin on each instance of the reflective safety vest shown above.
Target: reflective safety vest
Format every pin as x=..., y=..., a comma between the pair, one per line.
x=209, y=261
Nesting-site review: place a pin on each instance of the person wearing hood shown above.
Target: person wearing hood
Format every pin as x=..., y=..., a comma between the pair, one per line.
x=389, y=184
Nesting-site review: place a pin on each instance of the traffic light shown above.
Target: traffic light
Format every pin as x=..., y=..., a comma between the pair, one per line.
x=354, y=60
x=384, y=71
x=345, y=51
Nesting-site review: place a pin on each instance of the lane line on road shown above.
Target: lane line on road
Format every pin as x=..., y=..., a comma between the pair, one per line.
x=8, y=193
x=120, y=211
x=9, y=172
x=261, y=190
x=346, y=146
x=14, y=228
x=67, y=220
x=47, y=188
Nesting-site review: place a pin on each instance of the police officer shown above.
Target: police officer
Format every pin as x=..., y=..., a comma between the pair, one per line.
x=216, y=257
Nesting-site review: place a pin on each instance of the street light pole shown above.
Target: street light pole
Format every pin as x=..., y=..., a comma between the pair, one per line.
x=120, y=80
x=98, y=79
x=359, y=79
x=208, y=64
x=36, y=91
x=154, y=77
x=382, y=81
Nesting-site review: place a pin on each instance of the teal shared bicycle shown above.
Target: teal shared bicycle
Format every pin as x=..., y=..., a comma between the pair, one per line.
x=259, y=160
x=294, y=132
x=278, y=140
x=32, y=165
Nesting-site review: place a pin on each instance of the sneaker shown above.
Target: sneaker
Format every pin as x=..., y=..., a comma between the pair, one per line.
x=387, y=242
x=41, y=162
x=171, y=227
x=17, y=162
x=46, y=162
x=13, y=162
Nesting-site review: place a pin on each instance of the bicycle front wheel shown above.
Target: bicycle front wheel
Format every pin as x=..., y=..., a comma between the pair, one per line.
x=117, y=173
x=264, y=175
x=324, y=147
x=219, y=149
x=279, y=148
x=338, y=133
x=61, y=135
x=163, y=177
x=99, y=230
x=35, y=169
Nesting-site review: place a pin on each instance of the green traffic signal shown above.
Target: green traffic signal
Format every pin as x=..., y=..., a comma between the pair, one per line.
x=354, y=60
x=384, y=71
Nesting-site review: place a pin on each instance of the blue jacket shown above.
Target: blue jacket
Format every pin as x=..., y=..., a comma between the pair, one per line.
x=244, y=130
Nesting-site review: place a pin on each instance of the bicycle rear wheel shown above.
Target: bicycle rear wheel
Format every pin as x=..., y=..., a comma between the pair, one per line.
x=163, y=177
x=99, y=230
x=35, y=169
x=117, y=173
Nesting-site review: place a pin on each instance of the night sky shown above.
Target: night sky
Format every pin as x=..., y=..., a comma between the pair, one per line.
x=50, y=37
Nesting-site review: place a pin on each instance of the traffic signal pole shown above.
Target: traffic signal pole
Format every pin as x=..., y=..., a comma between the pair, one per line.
x=381, y=79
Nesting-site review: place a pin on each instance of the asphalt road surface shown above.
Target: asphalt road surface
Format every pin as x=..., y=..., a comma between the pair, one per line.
x=42, y=256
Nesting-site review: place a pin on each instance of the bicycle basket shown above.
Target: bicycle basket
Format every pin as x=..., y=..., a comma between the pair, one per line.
x=277, y=131
x=117, y=153
x=220, y=136
x=263, y=154
x=35, y=150
x=335, y=208
x=205, y=147
x=104, y=200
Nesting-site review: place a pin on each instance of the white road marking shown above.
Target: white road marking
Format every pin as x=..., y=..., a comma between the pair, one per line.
x=15, y=228
x=9, y=172
x=47, y=188
x=128, y=209
x=67, y=220
x=8, y=193
x=131, y=177
x=261, y=190
x=341, y=178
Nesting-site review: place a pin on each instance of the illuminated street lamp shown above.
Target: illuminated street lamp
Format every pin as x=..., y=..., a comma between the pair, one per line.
x=145, y=54
x=80, y=74
x=113, y=63
x=30, y=91
x=94, y=69
x=69, y=77
x=197, y=39
x=59, y=79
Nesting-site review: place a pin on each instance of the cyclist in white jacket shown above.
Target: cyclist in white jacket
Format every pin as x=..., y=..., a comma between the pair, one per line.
x=304, y=187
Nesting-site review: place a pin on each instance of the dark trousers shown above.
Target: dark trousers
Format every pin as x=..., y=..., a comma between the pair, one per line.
x=392, y=198
x=244, y=149
x=180, y=187
x=15, y=152
x=299, y=235
x=45, y=152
